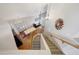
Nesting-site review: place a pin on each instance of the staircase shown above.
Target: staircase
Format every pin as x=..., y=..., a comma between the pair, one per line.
x=53, y=48
x=36, y=43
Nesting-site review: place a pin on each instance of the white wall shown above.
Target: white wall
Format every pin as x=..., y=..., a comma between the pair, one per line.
x=7, y=41
x=9, y=11
x=69, y=13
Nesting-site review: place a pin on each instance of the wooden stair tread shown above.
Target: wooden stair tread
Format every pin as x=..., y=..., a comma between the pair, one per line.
x=53, y=48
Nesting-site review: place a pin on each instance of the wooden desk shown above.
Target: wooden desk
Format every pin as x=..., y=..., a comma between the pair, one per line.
x=29, y=30
x=27, y=36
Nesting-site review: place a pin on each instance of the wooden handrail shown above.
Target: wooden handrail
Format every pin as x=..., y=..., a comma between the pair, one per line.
x=64, y=40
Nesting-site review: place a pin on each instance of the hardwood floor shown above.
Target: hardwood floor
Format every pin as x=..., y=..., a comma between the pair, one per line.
x=28, y=39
